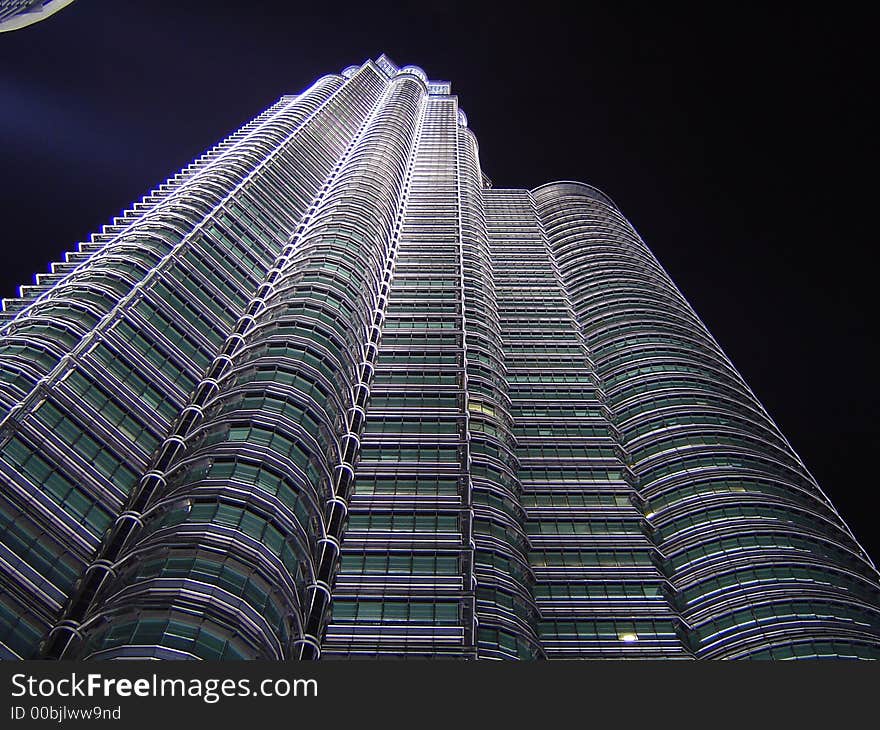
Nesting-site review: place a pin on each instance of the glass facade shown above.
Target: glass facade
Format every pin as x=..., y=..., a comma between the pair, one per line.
x=326, y=393
x=16, y=14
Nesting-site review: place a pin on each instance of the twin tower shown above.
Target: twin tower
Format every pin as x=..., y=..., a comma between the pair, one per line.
x=326, y=393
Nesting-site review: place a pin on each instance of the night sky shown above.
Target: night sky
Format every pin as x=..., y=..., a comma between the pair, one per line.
x=736, y=142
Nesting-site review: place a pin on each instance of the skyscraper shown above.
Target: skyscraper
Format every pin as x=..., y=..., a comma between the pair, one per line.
x=15, y=14
x=328, y=393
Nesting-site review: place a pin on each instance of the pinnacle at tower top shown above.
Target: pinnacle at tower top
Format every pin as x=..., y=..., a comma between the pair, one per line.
x=326, y=393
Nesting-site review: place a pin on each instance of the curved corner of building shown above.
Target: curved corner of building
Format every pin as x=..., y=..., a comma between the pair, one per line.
x=571, y=187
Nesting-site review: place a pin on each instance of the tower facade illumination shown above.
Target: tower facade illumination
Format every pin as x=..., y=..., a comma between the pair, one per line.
x=327, y=393
x=15, y=14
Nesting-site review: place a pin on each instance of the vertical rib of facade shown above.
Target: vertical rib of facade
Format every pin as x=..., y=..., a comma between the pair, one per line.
x=402, y=585
x=325, y=393
x=596, y=587
x=507, y=613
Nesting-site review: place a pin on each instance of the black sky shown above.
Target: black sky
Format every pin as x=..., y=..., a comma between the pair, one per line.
x=738, y=141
